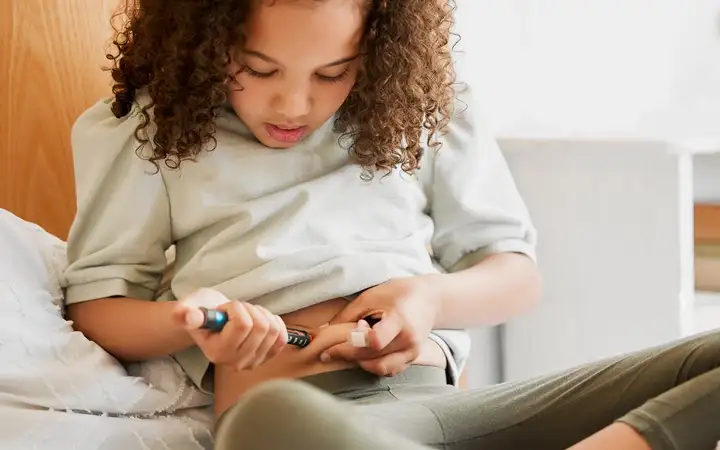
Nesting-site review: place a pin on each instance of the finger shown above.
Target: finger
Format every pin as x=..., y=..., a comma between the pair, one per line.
x=389, y=365
x=341, y=351
x=221, y=347
x=239, y=325
x=194, y=318
x=270, y=340
x=330, y=336
x=280, y=325
x=180, y=315
x=279, y=344
x=187, y=312
x=385, y=331
x=357, y=348
x=190, y=319
x=350, y=313
x=282, y=338
x=348, y=352
x=361, y=307
x=187, y=315
x=249, y=347
x=359, y=336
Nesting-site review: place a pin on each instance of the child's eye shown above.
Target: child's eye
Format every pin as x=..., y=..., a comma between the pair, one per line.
x=255, y=73
x=334, y=79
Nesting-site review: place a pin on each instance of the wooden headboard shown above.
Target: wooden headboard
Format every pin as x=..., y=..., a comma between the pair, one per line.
x=51, y=58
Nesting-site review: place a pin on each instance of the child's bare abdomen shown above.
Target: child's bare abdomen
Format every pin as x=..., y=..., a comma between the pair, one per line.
x=294, y=362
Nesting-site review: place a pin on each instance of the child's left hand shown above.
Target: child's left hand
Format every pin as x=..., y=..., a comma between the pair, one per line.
x=407, y=309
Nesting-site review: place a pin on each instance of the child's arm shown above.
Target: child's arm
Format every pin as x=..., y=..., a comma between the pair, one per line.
x=117, y=242
x=483, y=235
x=488, y=293
x=130, y=329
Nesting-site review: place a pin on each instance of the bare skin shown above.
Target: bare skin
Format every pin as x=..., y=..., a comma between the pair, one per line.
x=135, y=330
x=293, y=362
x=301, y=61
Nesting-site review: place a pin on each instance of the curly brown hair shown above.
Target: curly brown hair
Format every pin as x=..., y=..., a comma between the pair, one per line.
x=178, y=51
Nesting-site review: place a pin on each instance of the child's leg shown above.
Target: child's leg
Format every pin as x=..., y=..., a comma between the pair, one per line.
x=669, y=396
x=293, y=415
x=665, y=398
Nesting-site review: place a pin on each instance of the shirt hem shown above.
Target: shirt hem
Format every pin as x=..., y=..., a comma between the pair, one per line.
x=78, y=293
x=506, y=246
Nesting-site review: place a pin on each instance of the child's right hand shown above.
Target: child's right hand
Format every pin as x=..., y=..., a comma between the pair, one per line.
x=252, y=335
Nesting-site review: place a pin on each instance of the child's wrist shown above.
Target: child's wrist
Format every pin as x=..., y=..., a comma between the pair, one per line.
x=434, y=288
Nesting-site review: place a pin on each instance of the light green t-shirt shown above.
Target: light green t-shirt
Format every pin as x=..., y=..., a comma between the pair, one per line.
x=284, y=228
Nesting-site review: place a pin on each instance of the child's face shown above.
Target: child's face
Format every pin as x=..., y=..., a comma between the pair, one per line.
x=301, y=61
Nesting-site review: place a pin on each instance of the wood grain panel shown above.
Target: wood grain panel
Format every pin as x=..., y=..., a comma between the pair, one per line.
x=707, y=223
x=51, y=55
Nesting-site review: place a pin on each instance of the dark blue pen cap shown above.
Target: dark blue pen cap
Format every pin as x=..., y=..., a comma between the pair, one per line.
x=213, y=319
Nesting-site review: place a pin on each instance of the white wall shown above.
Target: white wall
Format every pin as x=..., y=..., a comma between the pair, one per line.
x=569, y=85
x=614, y=220
x=595, y=68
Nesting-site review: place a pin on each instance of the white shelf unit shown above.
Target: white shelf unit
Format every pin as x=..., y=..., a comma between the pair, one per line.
x=616, y=251
x=706, y=182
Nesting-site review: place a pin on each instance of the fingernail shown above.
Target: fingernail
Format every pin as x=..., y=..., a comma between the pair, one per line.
x=324, y=357
x=193, y=318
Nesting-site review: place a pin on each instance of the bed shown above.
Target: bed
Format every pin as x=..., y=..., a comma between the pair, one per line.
x=58, y=390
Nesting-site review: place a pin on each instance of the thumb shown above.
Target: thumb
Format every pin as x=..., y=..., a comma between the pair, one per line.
x=187, y=317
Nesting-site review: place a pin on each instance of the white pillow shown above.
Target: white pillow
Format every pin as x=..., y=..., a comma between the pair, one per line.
x=45, y=364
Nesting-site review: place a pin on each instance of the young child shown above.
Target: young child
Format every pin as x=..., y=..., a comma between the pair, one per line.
x=313, y=163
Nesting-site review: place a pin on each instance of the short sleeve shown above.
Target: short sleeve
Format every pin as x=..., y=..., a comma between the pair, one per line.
x=122, y=228
x=474, y=203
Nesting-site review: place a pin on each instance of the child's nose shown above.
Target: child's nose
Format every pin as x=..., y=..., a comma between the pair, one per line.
x=293, y=104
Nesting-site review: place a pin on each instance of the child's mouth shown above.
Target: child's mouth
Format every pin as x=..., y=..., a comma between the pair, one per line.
x=286, y=134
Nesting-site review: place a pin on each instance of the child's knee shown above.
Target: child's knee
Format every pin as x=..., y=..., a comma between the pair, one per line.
x=254, y=420
x=696, y=355
x=278, y=393
x=276, y=400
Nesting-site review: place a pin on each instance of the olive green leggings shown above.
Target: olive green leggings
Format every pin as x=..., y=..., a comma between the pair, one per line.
x=669, y=394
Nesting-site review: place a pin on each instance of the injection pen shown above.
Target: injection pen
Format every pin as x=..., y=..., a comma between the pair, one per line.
x=216, y=320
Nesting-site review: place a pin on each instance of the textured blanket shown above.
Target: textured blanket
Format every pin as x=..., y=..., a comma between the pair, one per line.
x=59, y=390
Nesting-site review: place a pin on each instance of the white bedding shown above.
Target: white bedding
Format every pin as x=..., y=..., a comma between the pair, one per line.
x=58, y=390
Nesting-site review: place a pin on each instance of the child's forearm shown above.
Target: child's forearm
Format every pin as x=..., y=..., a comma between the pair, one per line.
x=499, y=288
x=130, y=329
